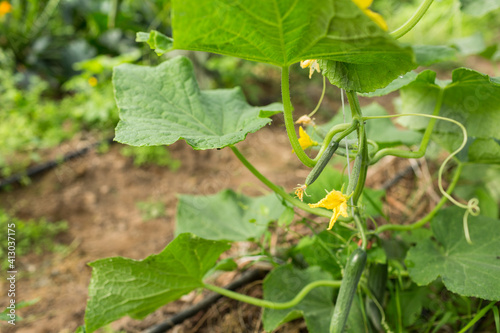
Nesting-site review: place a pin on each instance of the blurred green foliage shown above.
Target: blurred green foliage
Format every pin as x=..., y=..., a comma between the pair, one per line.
x=56, y=61
x=30, y=122
x=443, y=22
x=157, y=155
x=151, y=210
x=31, y=236
x=47, y=37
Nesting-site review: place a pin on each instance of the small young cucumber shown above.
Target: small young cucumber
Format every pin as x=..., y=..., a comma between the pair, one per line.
x=352, y=274
x=323, y=161
x=361, y=177
x=355, y=174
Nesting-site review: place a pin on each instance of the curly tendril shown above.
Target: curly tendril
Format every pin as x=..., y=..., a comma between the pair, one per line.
x=472, y=206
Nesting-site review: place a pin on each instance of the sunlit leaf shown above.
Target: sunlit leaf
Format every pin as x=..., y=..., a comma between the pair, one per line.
x=285, y=32
x=160, y=105
x=121, y=286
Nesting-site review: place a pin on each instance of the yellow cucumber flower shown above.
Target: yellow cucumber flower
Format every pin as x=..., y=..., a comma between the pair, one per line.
x=92, y=81
x=299, y=191
x=375, y=17
x=5, y=8
x=312, y=64
x=305, y=140
x=335, y=201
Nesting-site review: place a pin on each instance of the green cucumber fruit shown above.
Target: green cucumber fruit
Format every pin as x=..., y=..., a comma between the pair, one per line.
x=323, y=161
x=354, y=174
x=361, y=172
x=352, y=274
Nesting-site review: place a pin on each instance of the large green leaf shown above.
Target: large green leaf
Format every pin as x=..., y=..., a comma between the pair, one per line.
x=227, y=215
x=366, y=78
x=468, y=270
x=160, y=105
x=479, y=7
x=287, y=31
x=400, y=82
x=121, y=286
x=283, y=284
x=471, y=98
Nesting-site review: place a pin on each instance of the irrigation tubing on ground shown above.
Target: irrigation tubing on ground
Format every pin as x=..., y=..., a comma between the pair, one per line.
x=39, y=168
x=247, y=277
x=393, y=181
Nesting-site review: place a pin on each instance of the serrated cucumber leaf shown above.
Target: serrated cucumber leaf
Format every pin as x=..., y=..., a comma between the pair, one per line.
x=468, y=270
x=121, y=286
x=163, y=104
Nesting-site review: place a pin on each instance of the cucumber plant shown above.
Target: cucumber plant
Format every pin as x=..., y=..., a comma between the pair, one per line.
x=349, y=44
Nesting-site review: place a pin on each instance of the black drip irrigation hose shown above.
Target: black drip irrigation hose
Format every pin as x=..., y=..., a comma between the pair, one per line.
x=246, y=278
x=40, y=168
x=393, y=181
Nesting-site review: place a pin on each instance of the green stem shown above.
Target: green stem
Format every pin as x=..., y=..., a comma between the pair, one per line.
x=273, y=305
x=361, y=229
x=320, y=99
x=478, y=316
x=280, y=191
x=352, y=97
x=289, y=123
x=496, y=316
x=420, y=223
x=405, y=28
x=357, y=117
x=425, y=139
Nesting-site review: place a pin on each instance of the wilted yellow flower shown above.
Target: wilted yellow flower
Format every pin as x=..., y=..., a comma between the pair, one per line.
x=305, y=140
x=5, y=8
x=299, y=191
x=335, y=201
x=312, y=64
x=92, y=81
x=375, y=17
x=304, y=120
